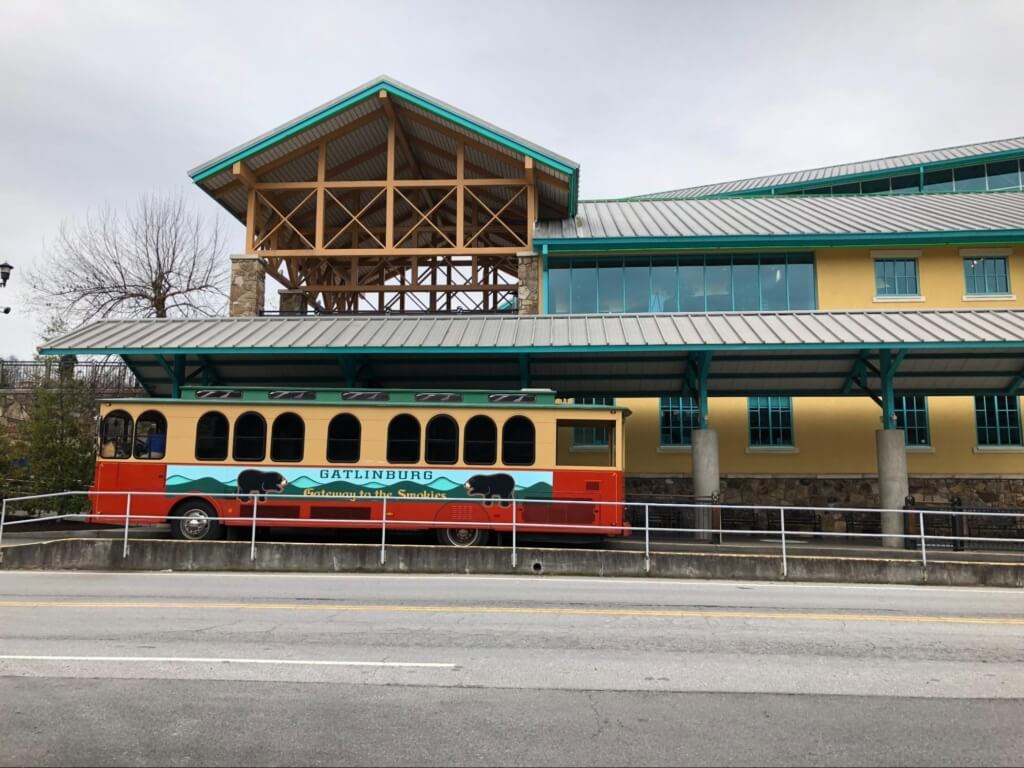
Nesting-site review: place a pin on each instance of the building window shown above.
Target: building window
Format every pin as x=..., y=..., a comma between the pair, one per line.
x=681, y=283
x=896, y=277
x=481, y=442
x=442, y=440
x=518, y=442
x=984, y=275
x=998, y=420
x=343, y=438
x=212, y=437
x=771, y=421
x=250, y=437
x=1002, y=175
x=591, y=437
x=287, y=437
x=679, y=417
x=403, y=440
x=912, y=418
x=116, y=436
x=150, y=435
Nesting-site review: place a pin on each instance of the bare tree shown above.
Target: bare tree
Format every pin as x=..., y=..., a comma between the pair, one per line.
x=158, y=258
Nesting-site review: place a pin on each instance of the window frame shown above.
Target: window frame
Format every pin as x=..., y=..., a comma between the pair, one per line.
x=234, y=438
x=391, y=440
x=468, y=458
x=135, y=441
x=999, y=443
x=358, y=439
x=773, y=405
x=687, y=408
x=505, y=442
x=976, y=257
x=441, y=418
x=275, y=438
x=128, y=439
x=885, y=258
x=920, y=413
x=227, y=437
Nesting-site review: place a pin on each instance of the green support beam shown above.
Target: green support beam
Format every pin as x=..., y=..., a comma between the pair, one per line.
x=889, y=363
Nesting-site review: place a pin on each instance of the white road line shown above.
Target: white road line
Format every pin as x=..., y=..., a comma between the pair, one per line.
x=200, y=660
x=538, y=580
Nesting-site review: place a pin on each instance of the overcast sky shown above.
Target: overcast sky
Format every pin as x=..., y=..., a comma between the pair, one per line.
x=102, y=101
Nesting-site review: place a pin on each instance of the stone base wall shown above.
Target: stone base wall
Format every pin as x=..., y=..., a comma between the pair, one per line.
x=248, y=286
x=529, y=284
x=291, y=302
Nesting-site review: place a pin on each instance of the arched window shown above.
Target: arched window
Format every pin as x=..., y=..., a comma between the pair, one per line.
x=343, y=435
x=212, y=437
x=287, y=438
x=481, y=441
x=151, y=436
x=116, y=436
x=250, y=438
x=442, y=440
x=403, y=440
x=518, y=442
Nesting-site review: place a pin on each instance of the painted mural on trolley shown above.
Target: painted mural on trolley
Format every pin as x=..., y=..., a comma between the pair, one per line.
x=360, y=482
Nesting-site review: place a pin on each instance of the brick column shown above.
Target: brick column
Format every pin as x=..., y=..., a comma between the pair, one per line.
x=291, y=301
x=248, y=278
x=529, y=283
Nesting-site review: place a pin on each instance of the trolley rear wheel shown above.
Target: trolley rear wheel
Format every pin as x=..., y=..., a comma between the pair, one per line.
x=463, y=537
x=196, y=520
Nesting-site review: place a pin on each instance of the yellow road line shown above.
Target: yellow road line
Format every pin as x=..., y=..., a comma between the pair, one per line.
x=484, y=609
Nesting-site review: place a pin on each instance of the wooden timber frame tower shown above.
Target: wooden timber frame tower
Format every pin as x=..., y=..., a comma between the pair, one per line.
x=386, y=200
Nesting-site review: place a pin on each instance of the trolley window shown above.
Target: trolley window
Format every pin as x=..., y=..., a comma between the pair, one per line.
x=250, y=438
x=343, y=436
x=287, y=437
x=403, y=440
x=481, y=441
x=116, y=436
x=151, y=435
x=442, y=440
x=212, y=437
x=518, y=442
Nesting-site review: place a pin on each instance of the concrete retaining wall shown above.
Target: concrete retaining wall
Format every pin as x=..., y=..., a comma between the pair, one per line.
x=144, y=555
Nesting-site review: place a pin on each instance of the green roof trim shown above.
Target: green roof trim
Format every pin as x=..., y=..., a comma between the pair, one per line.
x=204, y=172
x=902, y=239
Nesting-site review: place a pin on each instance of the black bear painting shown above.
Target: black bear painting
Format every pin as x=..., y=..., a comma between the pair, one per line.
x=261, y=483
x=500, y=486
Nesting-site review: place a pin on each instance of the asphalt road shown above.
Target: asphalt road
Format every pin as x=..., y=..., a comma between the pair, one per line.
x=265, y=669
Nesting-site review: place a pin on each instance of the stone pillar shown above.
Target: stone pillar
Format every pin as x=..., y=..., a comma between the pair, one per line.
x=529, y=283
x=291, y=301
x=66, y=368
x=248, y=279
x=706, y=479
x=893, y=486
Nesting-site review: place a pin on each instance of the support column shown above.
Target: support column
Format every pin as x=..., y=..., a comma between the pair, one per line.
x=248, y=278
x=291, y=301
x=706, y=479
x=891, y=449
x=893, y=485
x=529, y=283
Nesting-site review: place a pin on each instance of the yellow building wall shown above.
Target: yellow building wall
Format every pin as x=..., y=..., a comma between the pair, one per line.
x=836, y=436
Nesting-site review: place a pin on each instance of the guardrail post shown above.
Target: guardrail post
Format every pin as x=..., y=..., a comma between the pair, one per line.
x=920, y=526
x=782, y=528
x=252, y=542
x=514, y=515
x=127, y=518
x=383, y=531
x=3, y=519
x=647, y=538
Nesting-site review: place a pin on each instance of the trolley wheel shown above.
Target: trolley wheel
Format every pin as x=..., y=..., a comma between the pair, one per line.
x=463, y=537
x=196, y=520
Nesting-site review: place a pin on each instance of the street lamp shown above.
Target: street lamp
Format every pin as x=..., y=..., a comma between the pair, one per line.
x=5, y=273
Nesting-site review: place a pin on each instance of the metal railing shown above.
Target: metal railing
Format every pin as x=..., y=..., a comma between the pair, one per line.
x=515, y=525
x=107, y=376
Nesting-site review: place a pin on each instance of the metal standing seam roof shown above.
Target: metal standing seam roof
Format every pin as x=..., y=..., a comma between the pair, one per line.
x=354, y=105
x=487, y=334
x=770, y=217
x=829, y=173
